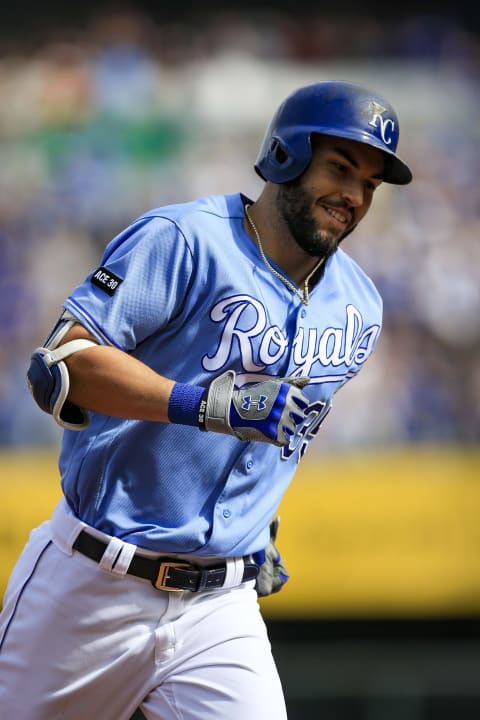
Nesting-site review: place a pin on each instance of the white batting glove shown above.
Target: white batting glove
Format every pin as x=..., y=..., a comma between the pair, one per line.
x=268, y=411
x=272, y=574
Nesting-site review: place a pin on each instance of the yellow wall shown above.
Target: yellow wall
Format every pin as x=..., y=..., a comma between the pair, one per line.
x=386, y=533
x=381, y=533
x=29, y=489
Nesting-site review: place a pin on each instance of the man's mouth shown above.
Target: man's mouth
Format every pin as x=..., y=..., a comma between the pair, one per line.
x=337, y=215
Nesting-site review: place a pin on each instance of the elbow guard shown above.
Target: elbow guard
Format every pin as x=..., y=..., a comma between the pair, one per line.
x=48, y=381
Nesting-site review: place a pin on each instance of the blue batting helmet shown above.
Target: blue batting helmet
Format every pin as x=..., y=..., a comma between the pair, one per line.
x=339, y=109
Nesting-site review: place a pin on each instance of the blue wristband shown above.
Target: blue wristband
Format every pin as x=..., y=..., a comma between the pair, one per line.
x=184, y=404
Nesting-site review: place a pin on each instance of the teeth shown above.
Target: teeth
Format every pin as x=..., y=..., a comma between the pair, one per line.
x=338, y=216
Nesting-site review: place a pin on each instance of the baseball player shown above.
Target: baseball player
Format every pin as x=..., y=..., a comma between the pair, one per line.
x=190, y=371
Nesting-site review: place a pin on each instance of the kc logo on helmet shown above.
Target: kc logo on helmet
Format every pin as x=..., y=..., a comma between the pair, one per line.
x=387, y=125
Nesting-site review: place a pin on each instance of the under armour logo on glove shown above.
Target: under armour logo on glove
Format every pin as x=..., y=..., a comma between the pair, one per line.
x=260, y=404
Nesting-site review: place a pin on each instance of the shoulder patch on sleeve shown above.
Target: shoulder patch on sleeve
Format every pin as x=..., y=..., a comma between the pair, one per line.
x=106, y=280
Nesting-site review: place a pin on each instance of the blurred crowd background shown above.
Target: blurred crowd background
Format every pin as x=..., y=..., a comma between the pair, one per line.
x=124, y=110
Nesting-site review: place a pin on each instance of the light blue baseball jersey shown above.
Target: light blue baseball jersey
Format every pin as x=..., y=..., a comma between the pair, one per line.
x=185, y=290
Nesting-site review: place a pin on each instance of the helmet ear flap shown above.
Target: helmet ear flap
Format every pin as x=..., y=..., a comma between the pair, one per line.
x=282, y=161
x=284, y=157
x=278, y=151
x=279, y=158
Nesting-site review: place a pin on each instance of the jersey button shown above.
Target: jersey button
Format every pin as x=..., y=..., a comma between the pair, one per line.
x=227, y=513
x=249, y=464
x=303, y=313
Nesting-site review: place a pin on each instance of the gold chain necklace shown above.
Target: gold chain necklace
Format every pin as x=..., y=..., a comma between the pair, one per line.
x=303, y=297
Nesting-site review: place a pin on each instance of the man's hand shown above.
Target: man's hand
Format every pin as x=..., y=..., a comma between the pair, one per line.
x=268, y=411
x=273, y=574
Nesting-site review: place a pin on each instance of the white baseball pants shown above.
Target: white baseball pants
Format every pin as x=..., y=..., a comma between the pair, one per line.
x=78, y=642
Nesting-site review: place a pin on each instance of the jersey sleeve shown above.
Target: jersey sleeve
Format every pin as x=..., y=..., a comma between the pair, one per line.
x=139, y=287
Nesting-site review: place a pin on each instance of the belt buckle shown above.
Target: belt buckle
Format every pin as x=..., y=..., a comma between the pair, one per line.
x=162, y=576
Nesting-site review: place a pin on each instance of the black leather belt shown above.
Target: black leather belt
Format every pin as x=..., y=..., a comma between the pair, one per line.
x=166, y=573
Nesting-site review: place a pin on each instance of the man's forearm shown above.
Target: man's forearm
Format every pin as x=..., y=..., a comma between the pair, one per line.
x=106, y=380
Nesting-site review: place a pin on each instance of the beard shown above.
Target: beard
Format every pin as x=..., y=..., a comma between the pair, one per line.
x=294, y=204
